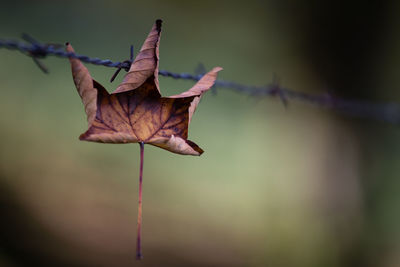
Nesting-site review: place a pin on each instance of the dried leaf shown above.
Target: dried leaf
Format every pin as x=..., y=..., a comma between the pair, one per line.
x=136, y=111
x=84, y=84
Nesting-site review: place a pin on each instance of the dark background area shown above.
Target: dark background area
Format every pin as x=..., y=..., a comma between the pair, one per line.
x=302, y=186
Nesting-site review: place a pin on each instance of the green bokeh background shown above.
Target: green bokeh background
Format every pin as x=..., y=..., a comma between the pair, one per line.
x=302, y=186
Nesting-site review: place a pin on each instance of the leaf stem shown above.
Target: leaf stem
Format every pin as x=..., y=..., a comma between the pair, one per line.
x=139, y=254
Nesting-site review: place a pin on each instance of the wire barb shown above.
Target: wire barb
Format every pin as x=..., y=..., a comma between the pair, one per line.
x=389, y=112
x=37, y=52
x=277, y=91
x=127, y=62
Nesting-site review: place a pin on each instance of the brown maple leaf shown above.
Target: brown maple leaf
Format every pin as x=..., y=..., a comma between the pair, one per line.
x=136, y=111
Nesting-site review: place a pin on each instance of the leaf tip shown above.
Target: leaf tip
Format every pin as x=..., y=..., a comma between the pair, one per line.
x=68, y=47
x=82, y=137
x=218, y=69
x=195, y=147
x=158, y=23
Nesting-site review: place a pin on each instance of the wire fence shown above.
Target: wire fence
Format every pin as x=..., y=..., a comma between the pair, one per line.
x=389, y=112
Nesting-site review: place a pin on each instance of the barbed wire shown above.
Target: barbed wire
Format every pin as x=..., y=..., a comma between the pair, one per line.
x=389, y=112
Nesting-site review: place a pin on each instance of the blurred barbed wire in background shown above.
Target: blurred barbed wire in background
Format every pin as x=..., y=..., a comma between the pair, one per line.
x=388, y=112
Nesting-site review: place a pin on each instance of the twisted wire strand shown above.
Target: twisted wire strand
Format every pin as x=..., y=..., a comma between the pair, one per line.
x=389, y=112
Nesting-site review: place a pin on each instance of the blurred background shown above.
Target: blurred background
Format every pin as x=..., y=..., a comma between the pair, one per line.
x=303, y=186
